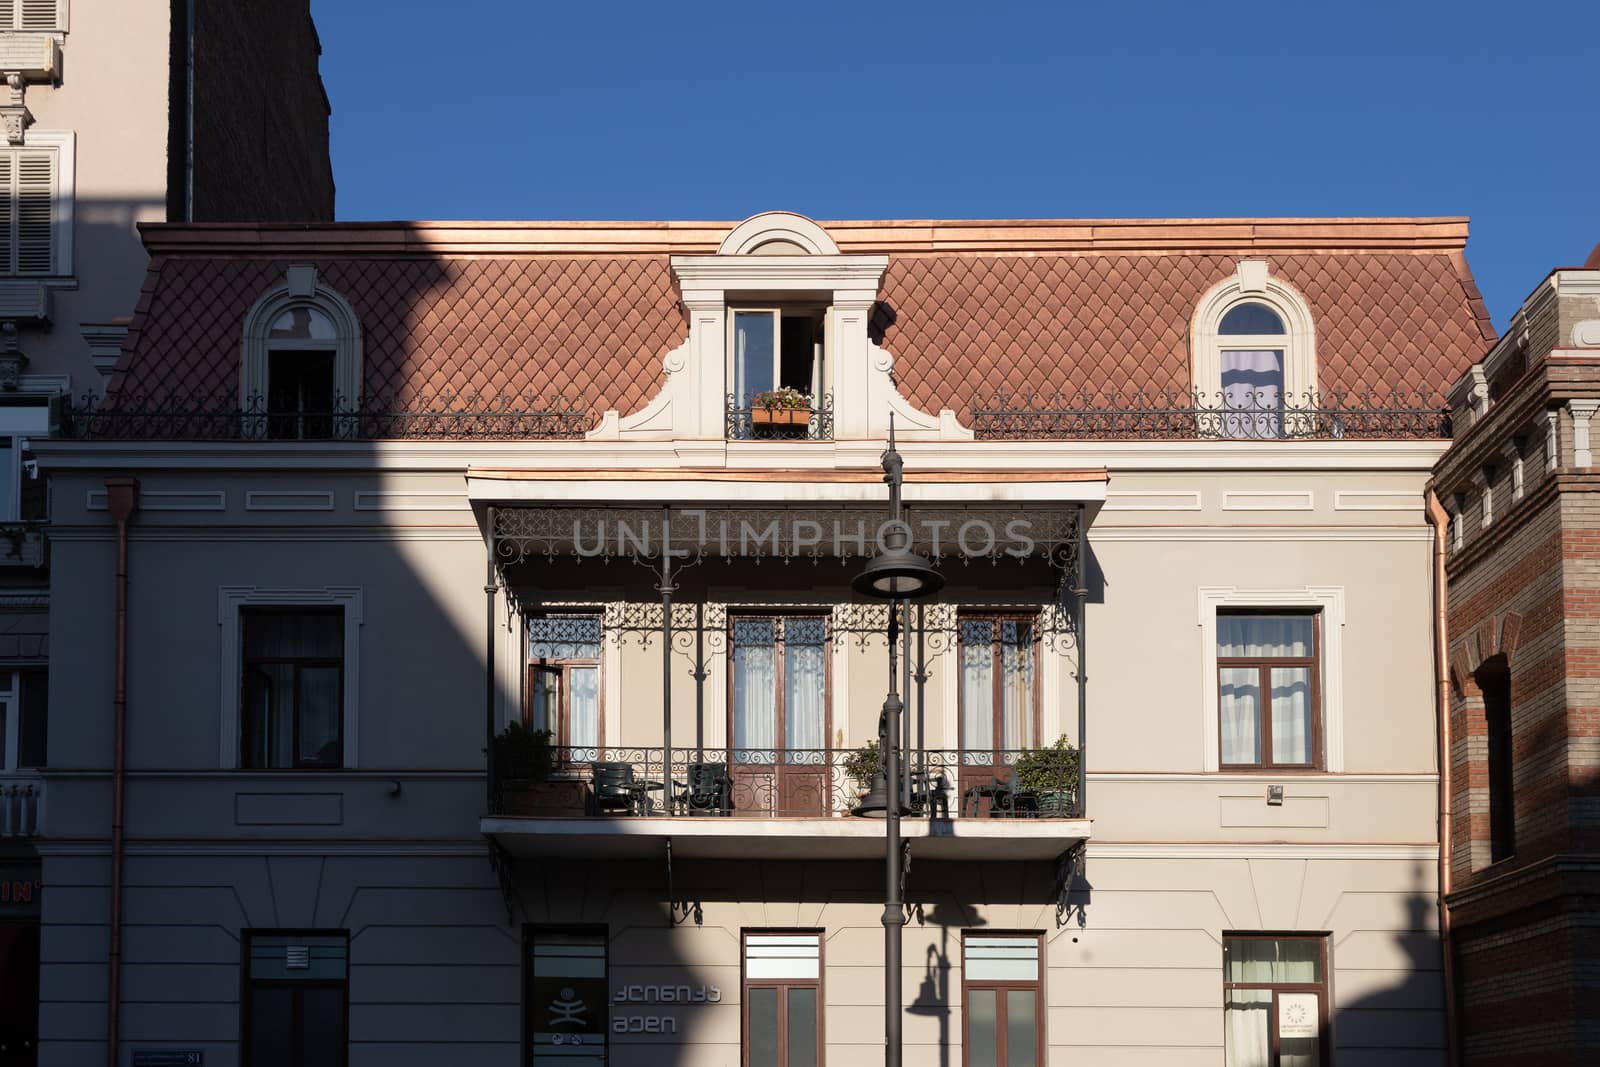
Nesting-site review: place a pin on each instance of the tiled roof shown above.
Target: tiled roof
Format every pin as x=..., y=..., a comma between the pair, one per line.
x=520, y=309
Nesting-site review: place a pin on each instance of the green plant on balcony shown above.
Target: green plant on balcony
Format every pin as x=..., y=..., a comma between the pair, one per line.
x=862, y=764
x=1051, y=774
x=523, y=755
x=786, y=398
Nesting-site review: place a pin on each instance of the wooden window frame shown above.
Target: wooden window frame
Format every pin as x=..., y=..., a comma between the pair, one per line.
x=246, y=662
x=997, y=681
x=249, y=983
x=780, y=703
x=782, y=985
x=1264, y=704
x=1000, y=986
x=562, y=738
x=1320, y=988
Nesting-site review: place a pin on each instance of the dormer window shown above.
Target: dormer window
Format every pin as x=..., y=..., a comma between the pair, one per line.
x=300, y=375
x=1251, y=337
x=776, y=375
x=1255, y=370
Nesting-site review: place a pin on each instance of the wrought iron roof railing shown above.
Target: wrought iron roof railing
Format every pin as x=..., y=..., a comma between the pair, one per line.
x=1326, y=415
x=443, y=416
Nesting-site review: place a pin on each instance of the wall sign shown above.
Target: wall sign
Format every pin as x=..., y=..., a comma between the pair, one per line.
x=1298, y=1015
x=169, y=1057
x=657, y=995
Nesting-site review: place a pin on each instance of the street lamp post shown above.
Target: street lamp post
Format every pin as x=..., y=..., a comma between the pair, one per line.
x=897, y=575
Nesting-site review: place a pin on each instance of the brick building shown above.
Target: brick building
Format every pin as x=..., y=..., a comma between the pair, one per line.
x=1523, y=602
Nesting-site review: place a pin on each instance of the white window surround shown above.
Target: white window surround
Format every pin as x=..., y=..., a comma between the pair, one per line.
x=64, y=144
x=232, y=598
x=1328, y=601
x=1252, y=282
x=301, y=288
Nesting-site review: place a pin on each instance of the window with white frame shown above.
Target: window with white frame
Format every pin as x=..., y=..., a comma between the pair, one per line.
x=34, y=16
x=300, y=371
x=1254, y=358
x=36, y=206
x=23, y=417
x=777, y=374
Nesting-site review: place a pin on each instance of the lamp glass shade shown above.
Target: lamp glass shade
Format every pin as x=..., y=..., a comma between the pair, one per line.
x=898, y=574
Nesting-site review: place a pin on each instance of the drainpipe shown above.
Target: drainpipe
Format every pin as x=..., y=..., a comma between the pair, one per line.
x=122, y=498
x=1439, y=518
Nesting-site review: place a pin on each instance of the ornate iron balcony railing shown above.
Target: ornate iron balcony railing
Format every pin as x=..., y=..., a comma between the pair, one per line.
x=749, y=421
x=440, y=416
x=1327, y=415
x=776, y=782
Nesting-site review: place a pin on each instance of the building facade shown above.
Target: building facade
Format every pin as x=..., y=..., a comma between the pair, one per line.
x=115, y=113
x=472, y=607
x=1517, y=483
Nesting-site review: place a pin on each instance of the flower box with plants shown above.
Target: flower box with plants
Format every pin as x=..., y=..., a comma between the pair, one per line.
x=1051, y=775
x=787, y=406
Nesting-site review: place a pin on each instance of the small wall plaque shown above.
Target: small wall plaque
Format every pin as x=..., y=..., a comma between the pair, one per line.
x=169, y=1057
x=1298, y=1015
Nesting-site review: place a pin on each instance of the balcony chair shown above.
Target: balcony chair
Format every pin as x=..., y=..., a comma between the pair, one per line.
x=613, y=788
x=930, y=794
x=708, y=790
x=1006, y=798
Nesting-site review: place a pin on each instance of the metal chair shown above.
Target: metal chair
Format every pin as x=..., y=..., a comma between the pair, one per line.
x=708, y=790
x=930, y=794
x=613, y=788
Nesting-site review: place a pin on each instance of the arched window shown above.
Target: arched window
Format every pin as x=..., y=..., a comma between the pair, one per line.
x=300, y=377
x=1254, y=357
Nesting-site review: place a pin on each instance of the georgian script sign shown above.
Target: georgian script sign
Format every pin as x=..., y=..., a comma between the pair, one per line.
x=657, y=995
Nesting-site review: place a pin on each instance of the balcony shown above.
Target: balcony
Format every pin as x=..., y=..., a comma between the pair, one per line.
x=755, y=419
x=786, y=803
x=21, y=804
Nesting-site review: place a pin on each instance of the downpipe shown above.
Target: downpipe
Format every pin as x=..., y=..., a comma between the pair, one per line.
x=1439, y=519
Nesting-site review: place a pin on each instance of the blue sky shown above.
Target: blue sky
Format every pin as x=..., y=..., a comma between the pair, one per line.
x=874, y=109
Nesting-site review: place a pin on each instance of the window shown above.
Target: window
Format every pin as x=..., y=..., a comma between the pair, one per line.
x=35, y=206
x=37, y=16
x=1252, y=338
x=564, y=682
x=296, y=998
x=1267, y=689
x=1002, y=1001
x=23, y=705
x=770, y=349
x=998, y=690
x=300, y=373
x=779, y=717
x=782, y=999
x=292, y=685
x=301, y=399
x=1254, y=356
x=1275, y=1000
x=565, y=1000
x=1494, y=679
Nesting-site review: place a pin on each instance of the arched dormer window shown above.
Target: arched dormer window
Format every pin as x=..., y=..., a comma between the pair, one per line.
x=1254, y=356
x=300, y=376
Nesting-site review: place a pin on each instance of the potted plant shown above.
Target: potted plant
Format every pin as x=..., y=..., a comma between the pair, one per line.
x=786, y=406
x=1051, y=774
x=862, y=765
x=523, y=764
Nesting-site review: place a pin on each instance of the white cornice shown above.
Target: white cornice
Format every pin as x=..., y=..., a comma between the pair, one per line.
x=1157, y=850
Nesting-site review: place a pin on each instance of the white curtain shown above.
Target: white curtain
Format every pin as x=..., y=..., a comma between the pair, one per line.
x=755, y=683
x=1239, y=708
x=1263, y=636
x=584, y=729
x=804, y=709
x=1252, y=393
x=1246, y=1023
x=977, y=692
x=1016, y=680
x=1291, y=715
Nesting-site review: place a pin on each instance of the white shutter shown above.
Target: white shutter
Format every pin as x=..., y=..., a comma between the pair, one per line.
x=8, y=200
x=36, y=189
x=39, y=16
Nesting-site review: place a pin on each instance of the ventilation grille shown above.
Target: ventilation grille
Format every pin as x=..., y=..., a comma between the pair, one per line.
x=297, y=957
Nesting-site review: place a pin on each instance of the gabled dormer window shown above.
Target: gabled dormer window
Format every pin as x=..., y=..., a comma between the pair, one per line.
x=1255, y=369
x=777, y=372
